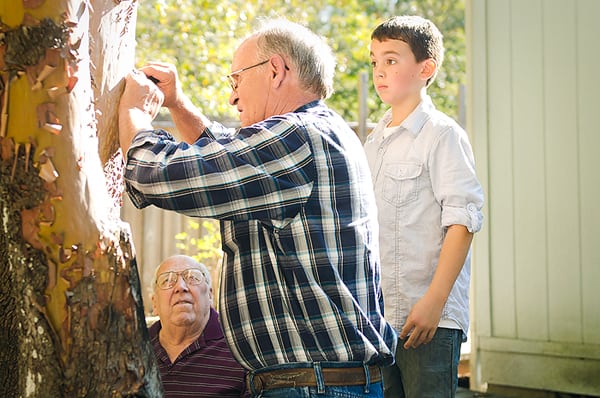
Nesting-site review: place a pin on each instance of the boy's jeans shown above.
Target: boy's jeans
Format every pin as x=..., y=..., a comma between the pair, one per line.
x=428, y=371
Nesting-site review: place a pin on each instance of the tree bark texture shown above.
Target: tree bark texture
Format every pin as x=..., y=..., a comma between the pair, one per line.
x=71, y=313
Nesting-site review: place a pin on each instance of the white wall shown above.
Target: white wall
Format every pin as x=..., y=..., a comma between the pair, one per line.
x=532, y=114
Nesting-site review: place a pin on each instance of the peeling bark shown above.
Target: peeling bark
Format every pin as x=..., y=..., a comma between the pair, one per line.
x=71, y=313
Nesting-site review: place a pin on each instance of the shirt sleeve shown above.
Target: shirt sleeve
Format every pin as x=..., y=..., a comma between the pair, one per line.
x=454, y=181
x=265, y=171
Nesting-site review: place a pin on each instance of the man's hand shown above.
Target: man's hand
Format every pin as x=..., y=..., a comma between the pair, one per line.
x=139, y=105
x=164, y=75
x=188, y=119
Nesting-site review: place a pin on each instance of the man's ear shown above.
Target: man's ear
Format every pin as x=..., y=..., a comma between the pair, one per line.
x=154, y=303
x=428, y=69
x=279, y=69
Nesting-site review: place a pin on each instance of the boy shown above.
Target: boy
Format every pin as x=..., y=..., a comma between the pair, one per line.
x=429, y=203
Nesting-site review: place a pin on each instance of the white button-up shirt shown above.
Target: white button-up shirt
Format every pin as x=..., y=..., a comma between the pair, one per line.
x=424, y=177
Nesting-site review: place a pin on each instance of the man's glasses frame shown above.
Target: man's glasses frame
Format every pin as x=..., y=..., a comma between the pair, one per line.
x=232, y=77
x=191, y=277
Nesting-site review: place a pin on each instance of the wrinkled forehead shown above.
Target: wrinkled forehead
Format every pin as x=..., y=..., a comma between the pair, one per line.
x=176, y=264
x=246, y=54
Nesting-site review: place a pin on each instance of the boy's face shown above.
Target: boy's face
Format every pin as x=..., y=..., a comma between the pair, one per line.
x=397, y=76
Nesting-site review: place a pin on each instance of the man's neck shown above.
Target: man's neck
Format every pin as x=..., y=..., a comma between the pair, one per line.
x=290, y=100
x=175, y=339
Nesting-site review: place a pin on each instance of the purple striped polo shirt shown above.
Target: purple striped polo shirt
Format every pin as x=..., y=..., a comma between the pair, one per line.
x=206, y=368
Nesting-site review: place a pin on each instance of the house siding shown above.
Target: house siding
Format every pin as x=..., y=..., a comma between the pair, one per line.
x=532, y=104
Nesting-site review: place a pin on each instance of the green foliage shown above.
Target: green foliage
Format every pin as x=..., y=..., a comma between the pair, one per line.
x=200, y=36
x=203, y=243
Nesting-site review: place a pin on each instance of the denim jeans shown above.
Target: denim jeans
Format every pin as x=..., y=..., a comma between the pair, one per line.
x=428, y=371
x=375, y=391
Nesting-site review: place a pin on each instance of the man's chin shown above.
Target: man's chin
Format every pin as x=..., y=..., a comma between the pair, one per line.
x=183, y=319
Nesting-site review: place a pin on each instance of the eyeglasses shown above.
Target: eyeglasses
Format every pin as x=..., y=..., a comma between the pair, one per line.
x=233, y=76
x=191, y=277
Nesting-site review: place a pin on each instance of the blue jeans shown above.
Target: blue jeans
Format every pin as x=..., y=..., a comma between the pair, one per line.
x=428, y=371
x=375, y=391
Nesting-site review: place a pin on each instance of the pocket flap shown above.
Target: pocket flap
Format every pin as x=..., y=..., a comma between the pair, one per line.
x=403, y=171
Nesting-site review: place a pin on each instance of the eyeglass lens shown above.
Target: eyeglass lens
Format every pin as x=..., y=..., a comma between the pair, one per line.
x=191, y=276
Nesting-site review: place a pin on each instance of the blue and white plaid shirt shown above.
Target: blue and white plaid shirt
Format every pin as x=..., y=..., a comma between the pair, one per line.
x=301, y=274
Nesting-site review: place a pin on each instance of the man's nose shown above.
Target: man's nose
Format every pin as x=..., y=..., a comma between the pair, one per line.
x=233, y=98
x=180, y=284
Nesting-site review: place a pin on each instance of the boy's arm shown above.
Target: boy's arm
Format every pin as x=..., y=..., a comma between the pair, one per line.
x=424, y=317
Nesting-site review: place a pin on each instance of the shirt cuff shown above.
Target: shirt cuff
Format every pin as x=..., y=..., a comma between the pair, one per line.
x=470, y=216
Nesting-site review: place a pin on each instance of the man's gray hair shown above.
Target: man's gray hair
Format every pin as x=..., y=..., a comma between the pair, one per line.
x=307, y=52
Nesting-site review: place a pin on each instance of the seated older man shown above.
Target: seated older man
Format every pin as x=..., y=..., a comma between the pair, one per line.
x=193, y=357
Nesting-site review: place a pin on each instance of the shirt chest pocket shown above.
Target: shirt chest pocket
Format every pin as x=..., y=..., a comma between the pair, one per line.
x=401, y=183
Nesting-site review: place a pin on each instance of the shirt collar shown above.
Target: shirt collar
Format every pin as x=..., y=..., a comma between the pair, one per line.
x=415, y=121
x=309, y=105
x=419, y=116
x=212, y=330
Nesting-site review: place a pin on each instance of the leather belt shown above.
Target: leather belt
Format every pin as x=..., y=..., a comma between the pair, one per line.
x=305, y=377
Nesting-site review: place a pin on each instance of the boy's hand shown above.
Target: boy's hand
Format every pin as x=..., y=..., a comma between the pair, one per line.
x=422, y=322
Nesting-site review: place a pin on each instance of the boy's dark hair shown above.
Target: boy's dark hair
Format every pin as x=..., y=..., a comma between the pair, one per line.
x=423, y=37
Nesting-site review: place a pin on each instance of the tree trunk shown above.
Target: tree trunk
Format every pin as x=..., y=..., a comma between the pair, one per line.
x=71, y=313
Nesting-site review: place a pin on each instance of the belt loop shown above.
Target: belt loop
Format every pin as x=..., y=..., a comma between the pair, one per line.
x=367, y=378
x=319, y=377
x=251, y=383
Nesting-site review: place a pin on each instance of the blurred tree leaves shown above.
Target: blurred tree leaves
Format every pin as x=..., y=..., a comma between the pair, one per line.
x=200, y=36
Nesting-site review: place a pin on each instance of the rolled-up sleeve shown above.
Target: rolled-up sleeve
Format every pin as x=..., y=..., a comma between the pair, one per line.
x=455, y=183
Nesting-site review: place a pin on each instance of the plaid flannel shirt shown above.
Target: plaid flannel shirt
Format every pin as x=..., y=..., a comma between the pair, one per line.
x=301, y=276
